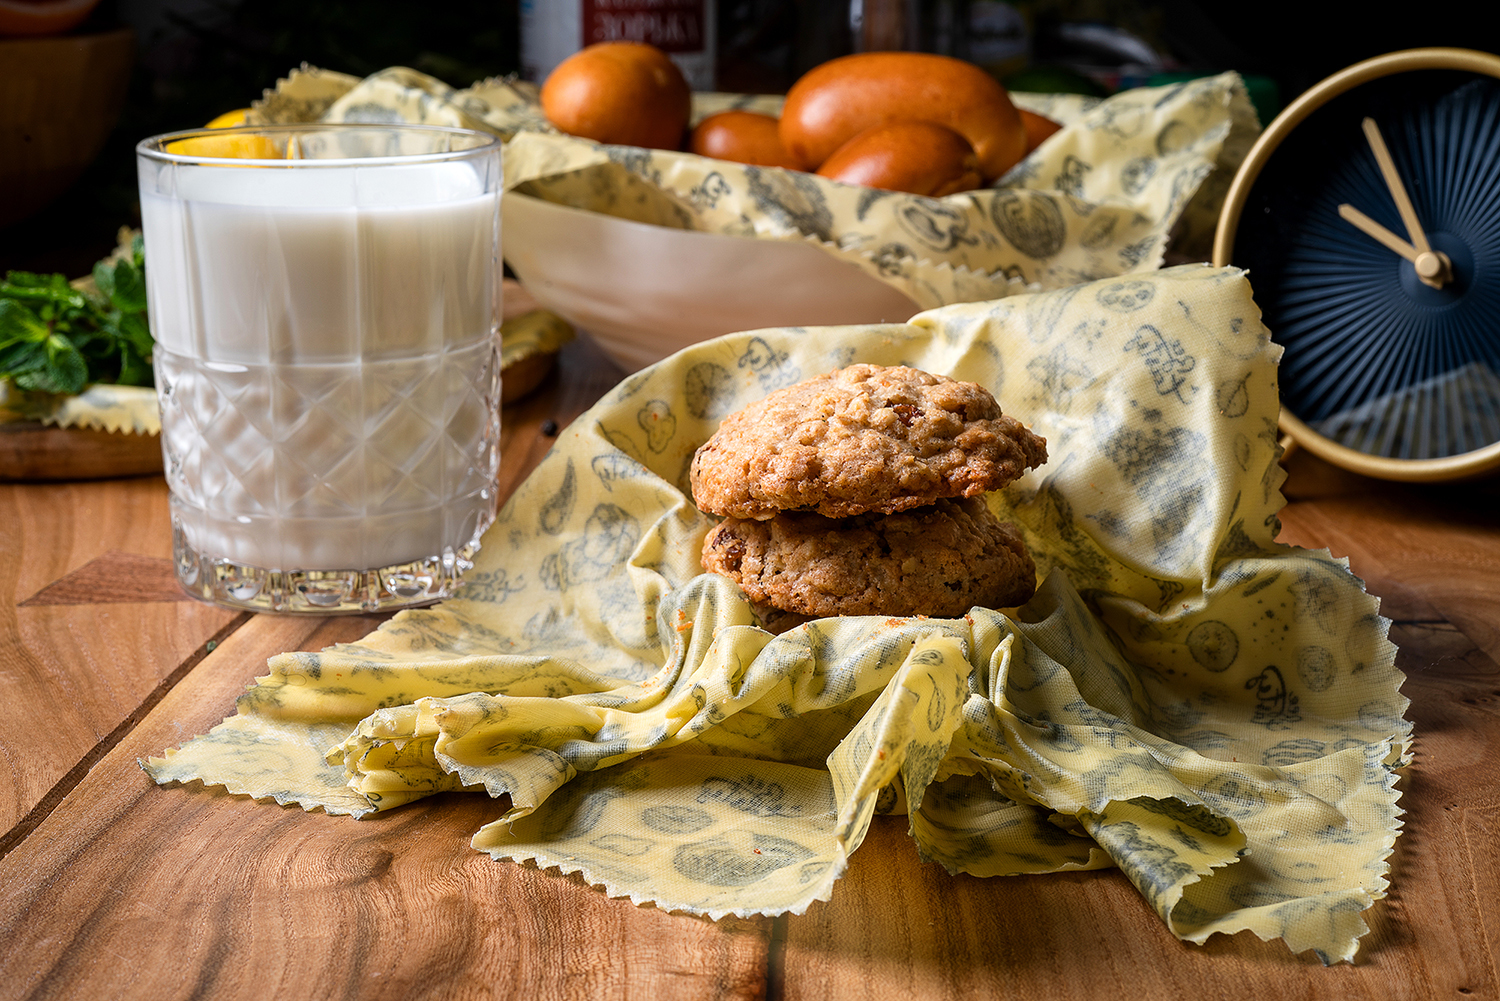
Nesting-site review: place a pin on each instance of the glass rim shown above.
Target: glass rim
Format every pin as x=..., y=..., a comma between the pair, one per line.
x=153, y=147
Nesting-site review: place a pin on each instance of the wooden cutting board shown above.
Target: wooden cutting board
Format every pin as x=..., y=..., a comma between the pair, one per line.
x=33, y=452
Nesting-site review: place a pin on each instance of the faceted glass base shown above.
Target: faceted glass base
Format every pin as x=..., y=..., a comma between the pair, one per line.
x=319, y=592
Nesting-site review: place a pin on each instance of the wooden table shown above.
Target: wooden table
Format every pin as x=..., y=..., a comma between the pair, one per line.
x=113, y=887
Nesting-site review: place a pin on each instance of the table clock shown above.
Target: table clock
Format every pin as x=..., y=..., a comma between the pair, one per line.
x=1368, y=217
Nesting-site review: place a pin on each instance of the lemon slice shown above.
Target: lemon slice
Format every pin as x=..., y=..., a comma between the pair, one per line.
x=227, y=147
x=229, y=119
x=230, y=147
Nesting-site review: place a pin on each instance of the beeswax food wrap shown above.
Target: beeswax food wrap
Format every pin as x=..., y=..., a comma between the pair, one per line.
x=1103, y=197
x=101, y=406
x=1214, y=713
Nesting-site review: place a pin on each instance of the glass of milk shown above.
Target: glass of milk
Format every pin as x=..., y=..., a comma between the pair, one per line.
x=326, y=304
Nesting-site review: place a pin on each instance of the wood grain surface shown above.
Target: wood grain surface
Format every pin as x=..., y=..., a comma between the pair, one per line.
x=115, y=577
x=111, y=887
x=70, y=674
x=189, y=892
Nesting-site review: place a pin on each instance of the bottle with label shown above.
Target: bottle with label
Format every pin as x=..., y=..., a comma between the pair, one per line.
x=552, y=30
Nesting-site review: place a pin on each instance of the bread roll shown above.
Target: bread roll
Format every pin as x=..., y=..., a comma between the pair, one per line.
x=744, y=137
x=624, y=93
x=841, y=98
x=922, y=158
x=1038, y=128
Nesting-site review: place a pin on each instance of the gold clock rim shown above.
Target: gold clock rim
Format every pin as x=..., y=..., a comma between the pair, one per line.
x=1451, y=467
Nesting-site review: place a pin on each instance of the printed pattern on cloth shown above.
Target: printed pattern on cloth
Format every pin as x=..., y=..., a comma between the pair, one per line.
x=1215, y=713
x=1127, y=178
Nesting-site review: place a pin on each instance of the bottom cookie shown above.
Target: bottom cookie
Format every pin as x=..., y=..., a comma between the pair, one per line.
x=939, y=561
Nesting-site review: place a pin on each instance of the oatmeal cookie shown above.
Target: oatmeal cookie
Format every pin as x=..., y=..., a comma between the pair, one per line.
x=938, y=560
x=864, y=438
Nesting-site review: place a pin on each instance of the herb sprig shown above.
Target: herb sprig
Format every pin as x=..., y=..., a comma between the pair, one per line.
x=55, y=338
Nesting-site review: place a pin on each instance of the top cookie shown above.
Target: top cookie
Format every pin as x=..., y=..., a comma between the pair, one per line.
x=865, y=438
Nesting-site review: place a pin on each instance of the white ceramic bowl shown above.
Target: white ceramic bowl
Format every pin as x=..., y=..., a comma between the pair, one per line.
x=644, y=292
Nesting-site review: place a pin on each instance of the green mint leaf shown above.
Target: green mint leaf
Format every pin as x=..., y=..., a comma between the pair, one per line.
x=19, y=323
x=27, y=279
x=27, y=366
x=20, y=357
x=138, y=250
x=135, y=332
x=38, y=380
x=59, y=294
x=65, y=366
x=57, y=339
x=28, y=293
x=128, y=288
x=134, y=369
x=104, y=279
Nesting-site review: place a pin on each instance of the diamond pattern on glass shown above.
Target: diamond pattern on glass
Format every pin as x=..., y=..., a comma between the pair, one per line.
x=333, y=467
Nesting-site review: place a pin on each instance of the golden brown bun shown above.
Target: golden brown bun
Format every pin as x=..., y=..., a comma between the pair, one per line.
x=744, y=137
x=1038, y=128
x=922, y=158
x=623, y=93
x=841, y=98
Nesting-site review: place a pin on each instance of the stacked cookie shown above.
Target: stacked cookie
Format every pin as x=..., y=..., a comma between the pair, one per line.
x=860, y=492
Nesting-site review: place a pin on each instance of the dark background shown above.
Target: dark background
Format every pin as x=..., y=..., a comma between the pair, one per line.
x=198, y=58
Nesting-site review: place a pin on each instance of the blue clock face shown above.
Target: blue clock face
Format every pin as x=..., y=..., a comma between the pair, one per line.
x=1377, y=359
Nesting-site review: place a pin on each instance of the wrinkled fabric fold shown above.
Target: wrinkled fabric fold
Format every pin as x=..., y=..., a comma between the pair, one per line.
x=1127, y=177
x=1214, y=713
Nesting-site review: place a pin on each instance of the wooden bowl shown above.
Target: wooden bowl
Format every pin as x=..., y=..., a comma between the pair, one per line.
x=59, y=99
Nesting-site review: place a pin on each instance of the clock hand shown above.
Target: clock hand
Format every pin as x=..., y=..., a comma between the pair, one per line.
x=1398, y=190
x=1433, y=266
x=1372, y=228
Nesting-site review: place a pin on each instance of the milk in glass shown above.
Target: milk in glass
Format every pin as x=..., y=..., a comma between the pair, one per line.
x=327, y=366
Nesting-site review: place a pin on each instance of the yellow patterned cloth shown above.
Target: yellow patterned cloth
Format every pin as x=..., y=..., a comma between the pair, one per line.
x=534, y=332
x=101, y=406
x=1216, y=714
x=1127, y=179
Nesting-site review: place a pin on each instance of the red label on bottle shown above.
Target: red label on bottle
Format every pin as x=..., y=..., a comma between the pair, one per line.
x=670, y=25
